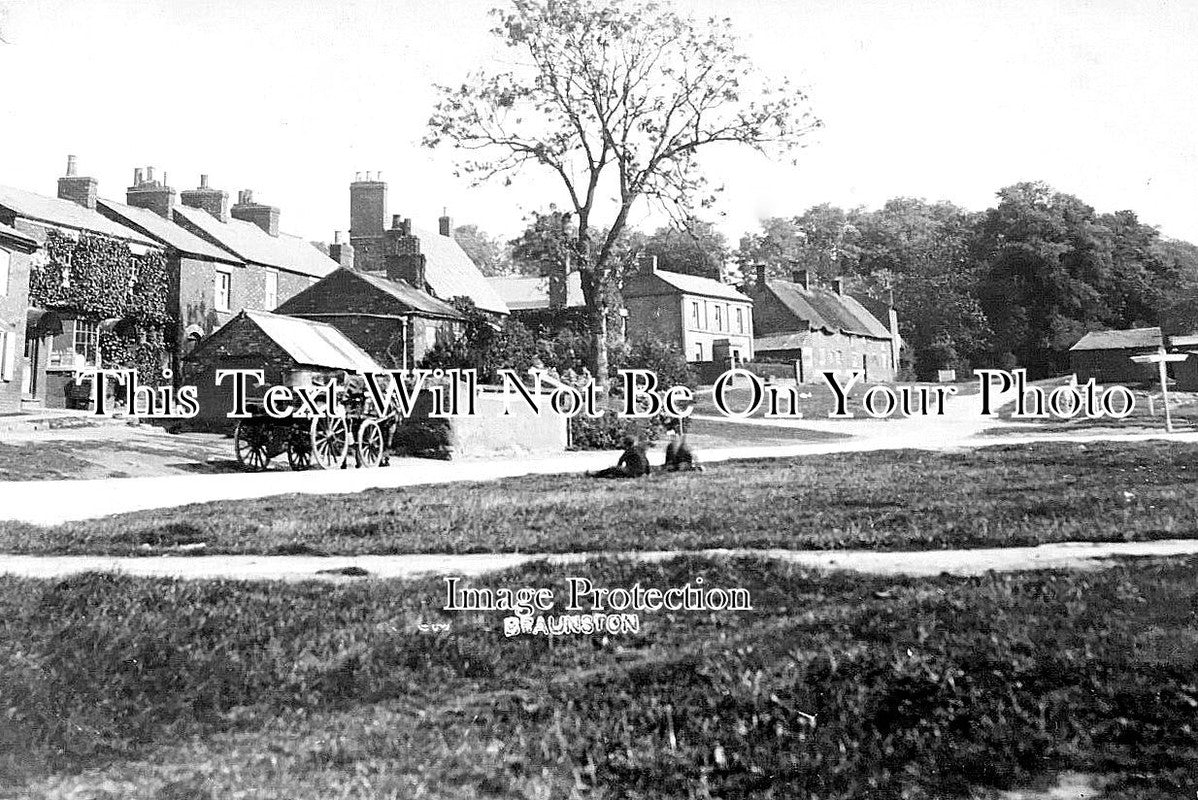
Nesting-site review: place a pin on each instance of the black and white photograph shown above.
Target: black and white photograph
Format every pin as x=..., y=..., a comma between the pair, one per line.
x=598, y=399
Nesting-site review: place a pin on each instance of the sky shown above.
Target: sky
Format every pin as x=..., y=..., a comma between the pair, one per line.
x=939, y=99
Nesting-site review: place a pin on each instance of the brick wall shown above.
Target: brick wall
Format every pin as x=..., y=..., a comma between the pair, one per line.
x=238, y=345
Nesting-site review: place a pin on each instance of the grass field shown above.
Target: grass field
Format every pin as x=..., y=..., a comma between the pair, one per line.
x=834, y=686
x=1005, y=495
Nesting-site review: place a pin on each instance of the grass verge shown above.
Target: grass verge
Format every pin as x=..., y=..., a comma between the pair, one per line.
x=834, y=685
x=997, y=496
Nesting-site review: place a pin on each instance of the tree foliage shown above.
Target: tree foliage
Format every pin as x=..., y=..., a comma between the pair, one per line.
x=488, y=253
x=695, y=247
x=613, y=99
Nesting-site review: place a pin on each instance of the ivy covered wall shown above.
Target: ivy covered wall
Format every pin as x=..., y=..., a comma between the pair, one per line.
x=98, y=278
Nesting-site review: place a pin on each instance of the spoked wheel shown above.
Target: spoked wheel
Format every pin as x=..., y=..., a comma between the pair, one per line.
x=370, y=444
x=299, y=451
x=330, y=441
x=251, y=443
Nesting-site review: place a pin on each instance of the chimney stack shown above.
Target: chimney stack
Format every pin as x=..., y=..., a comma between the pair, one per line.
x=838, y=285
x=761, y=276
x=803, y=278
x=403, y=259
x=81, y=190
x=205, y=198
x=367, y=209
x=341, y=252
x=150, y=194
x=445, y=224
x=264, y=216
x=647, y=264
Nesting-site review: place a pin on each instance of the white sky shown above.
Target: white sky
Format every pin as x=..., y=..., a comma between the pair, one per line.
x=941, y=99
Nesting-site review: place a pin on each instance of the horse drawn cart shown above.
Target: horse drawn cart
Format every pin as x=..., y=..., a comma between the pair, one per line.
x=325, y=441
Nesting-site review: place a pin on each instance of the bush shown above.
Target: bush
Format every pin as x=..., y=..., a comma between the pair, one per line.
x=665, y=360
x=608, y=431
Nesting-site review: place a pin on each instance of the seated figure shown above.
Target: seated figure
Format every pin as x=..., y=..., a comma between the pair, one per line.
x=633, y=463
x=679, y=456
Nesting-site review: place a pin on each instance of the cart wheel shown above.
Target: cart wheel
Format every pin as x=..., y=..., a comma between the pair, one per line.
x=251, y=444
x=370, y=444
x=299, y=451
x=330, y=441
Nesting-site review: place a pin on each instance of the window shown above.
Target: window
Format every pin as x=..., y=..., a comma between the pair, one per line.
x=87, y=342
x=699, y=351
x=8, y=355
x=740, y=320
x=694, y=315
x=270, y=296
x=5, y=268
x=719, y=319
x=224, y=285
x=430, y=337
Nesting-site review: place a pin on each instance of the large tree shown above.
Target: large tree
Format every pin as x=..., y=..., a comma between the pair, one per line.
x=488, y=253
x=615, y=101
x=694, y=248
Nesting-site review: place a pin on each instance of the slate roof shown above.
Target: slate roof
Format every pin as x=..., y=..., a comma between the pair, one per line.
x=66, y=214
x=782, y=341
x=641, y=285
x=1132, y=339
x=824, y=309
x=250, y=243
x=313, y=344
x=313, y=300
x=450, y=273
x=524, y=292
x=166, y=231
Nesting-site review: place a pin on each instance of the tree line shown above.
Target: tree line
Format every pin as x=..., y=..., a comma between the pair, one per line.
x=1014, y=285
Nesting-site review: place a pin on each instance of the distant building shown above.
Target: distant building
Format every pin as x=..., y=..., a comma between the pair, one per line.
x=536, y=293
x=1105, y=356
x=431, y=262
x=707, y=320
x=821, y=329
x=392, y=321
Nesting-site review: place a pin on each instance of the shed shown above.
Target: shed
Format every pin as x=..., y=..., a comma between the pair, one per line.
x=1105, y=356
x=280, y=346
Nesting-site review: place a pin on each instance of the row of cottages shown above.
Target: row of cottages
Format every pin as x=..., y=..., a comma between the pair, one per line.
x=67, y=274
x=822, y=328
x=215, y=261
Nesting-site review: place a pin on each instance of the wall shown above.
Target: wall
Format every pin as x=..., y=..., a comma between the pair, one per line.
x=238, y=345
x=707, y=333
x=1115, y=366
x=14, y=302
x=489, y=432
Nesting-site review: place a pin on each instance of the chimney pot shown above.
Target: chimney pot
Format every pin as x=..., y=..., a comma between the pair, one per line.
x=336, y=237
x=138, y=177
x=71, y=166
x=203, y=180
x=149, y=174
x=396, y=222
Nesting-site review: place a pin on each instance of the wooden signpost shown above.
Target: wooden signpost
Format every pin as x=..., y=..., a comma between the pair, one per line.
x=1160, y=357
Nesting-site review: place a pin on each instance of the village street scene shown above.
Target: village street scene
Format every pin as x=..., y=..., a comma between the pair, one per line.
x=598, y=399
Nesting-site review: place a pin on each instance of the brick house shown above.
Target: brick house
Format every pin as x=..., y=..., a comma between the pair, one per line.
x=707, y=320
x=431, y=262
x=392, y=321
x=16, y=375
x=1105, y=356
x=287, y=349
x=58, y=341
x=822, y=329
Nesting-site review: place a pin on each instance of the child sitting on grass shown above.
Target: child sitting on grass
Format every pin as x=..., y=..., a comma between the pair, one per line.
x=633, y=463
x=679, y=456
